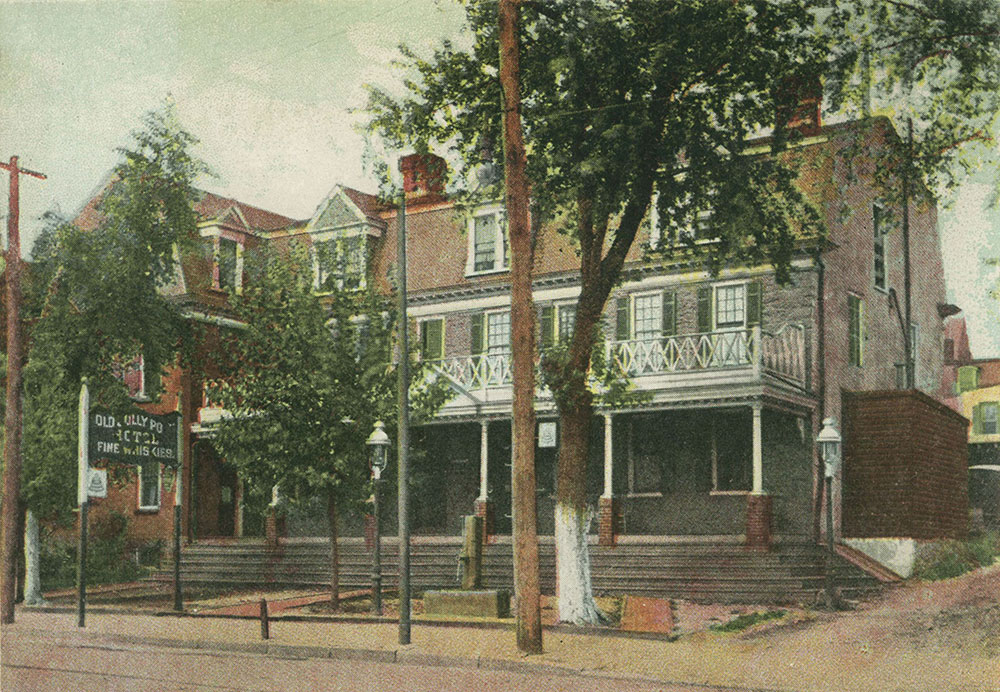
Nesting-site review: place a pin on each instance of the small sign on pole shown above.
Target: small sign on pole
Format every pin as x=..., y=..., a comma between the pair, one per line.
x=97, y=483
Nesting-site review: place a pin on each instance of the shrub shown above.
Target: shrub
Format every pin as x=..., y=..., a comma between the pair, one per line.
x=947, y=559
x=107, y=562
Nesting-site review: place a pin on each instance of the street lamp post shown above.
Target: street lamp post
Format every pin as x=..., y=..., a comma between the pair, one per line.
x=829, y=443
x=378, y=455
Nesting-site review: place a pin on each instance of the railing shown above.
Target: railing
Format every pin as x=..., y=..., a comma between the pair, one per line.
x=478, y=372
x=781, y=353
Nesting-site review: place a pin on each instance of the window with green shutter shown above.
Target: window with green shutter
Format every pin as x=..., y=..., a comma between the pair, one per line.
x=432, y=339
x=968, y=378
x=988, y=418
x=856, y=329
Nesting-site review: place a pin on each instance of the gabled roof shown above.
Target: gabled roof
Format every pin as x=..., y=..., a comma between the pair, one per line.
x=213, y=206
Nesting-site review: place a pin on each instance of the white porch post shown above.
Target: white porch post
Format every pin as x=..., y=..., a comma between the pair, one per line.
x=758, y=457
x=484, y=448
x=608, y=455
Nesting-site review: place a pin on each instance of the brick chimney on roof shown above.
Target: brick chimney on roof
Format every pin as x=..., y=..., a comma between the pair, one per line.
x=804, y=115
x=423, y=178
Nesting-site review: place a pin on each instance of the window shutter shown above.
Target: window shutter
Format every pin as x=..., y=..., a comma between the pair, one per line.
x=548, y=326
x=967, y=378
x=705, y=309
x=977, y=419
x=477, y=333
x=623, y=326
x=433, y=339
x=669, y=313
x=755, y=304
x=423, y=340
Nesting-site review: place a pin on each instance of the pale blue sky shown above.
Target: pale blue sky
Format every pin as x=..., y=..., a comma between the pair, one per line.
x=268, y=88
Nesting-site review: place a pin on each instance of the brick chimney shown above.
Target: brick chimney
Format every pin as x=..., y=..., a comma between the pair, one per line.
x=804, y=117
x=423, y=178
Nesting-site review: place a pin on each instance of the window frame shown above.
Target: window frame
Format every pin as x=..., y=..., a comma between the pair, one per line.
x=338, y=237
x=140, y=487
x=486, y=331
x=657, y=311
x=993, y=406
x=729, y=326
x=217, y=241
x=501, y=259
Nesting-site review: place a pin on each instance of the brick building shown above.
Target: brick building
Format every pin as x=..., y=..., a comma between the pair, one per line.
x=739, y=370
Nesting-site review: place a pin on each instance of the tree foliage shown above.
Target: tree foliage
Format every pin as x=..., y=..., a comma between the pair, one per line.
x=305, y=381
x=95, y=301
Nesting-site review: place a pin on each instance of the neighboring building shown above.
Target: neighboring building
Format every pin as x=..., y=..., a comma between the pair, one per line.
x=739, y=371
x=973, y=388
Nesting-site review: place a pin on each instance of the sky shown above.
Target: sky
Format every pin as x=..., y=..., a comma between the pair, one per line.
x=270, y=88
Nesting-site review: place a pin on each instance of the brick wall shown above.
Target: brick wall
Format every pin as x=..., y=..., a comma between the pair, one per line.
x=904, y=469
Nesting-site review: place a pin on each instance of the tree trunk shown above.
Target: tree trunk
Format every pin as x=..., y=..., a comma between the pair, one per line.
x=572, y=520
x=331, y=515
x=522, y=319
x=32, y=562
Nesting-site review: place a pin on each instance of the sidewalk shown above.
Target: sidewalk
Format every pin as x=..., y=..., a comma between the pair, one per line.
x=835, y=652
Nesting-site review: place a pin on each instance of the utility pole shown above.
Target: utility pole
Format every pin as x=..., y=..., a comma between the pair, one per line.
x=403, y=499
x=12, y=446
x=522, y=320
x=908, y=368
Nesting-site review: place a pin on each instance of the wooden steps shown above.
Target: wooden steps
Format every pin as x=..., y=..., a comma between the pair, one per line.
x=700, y=571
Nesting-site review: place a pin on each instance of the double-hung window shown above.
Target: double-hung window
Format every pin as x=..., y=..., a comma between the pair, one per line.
x=497, y=332
x=149, y=486
x=557, y=322
x=986, y=418
x=488, y=251
x=339, y=263
x=730, y=306
x=647, y=316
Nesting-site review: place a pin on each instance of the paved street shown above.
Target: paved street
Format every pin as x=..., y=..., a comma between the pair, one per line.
x=39, y=661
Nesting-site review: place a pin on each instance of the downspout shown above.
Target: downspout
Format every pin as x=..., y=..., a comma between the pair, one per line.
x=820, y=385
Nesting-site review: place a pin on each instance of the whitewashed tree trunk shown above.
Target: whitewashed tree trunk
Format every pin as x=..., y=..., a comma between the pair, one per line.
x=576, y=598
x=32, y=560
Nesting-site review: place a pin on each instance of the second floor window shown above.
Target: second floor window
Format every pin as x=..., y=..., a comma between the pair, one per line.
x=432, y=339
x=339, y=263
x=556, y=324
x=730, y=306
x=228, y=270
x=491, y=332
x=855, y=330
x=878, y=223
x=986, y=418
x=648, y=317
x=132, y=373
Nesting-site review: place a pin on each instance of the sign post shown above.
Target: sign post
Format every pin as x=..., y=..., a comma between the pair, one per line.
x=83, y=500
x=178, y=499
x=131, y=437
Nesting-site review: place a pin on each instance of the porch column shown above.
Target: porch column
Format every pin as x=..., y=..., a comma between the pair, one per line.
x=758, y=453
x=759, y=510
x=482, y=504
x=606, y=503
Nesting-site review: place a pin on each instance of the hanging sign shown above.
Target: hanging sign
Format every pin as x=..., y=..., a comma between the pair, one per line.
x=132, y=437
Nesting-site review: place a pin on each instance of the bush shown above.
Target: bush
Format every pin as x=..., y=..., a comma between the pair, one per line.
x=107, y=561
x=947, y=559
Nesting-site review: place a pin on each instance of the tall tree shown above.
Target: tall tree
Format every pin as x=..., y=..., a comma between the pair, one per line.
x=619, y=99
x=522, y=321
x=94, y=303
x=305, y=381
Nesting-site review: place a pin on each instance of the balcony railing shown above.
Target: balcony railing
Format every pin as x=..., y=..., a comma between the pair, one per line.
x=781, y=353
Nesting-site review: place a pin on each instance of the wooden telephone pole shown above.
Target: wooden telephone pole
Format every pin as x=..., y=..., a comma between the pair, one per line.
x=12, y=439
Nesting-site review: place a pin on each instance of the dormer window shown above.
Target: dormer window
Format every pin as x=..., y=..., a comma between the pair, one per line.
x=339, y=263
x=488, y=251
x=227, y=269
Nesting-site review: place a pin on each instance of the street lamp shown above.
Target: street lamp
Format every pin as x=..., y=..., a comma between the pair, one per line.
x=829, y=444
x=378, y=457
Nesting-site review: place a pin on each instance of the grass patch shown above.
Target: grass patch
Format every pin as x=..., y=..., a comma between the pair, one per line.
x=742, y=622
x=947, y=559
